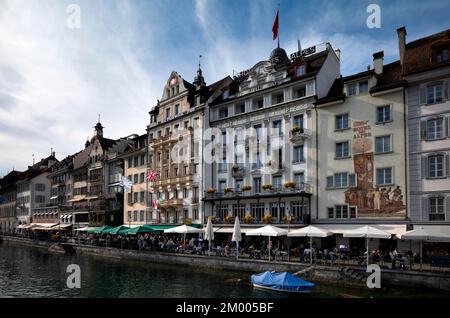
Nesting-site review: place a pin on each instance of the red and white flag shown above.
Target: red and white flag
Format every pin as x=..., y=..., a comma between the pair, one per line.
x=275, y=27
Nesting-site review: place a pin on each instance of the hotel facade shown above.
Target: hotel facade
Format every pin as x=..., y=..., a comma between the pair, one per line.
x=262, y=127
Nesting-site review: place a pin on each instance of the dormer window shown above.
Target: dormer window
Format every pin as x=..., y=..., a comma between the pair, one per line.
x=301, y=70
x=442, y=54
x=351, y=89
x=226, y=94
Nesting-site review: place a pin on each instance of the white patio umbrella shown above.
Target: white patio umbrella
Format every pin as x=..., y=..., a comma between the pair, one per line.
x=269, y=231
x=310, y=231
x=209, y=234
x=425, y=235
x=236, y=237
x=183, y=229
x=367, y=232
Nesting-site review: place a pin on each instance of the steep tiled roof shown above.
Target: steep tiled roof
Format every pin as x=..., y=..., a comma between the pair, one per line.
x=418, y=54
x=390, y=78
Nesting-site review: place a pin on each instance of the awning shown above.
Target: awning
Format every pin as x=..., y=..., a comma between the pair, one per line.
x=21, y=226
x=54, y=197
x=77, y=200
x=229, y=230
x=62, y=226
x=44, y=226
x=444, y=229
x=395, y=229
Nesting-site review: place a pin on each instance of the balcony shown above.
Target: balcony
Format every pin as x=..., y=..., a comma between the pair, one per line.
x=237, y=194
x=171, y=202
x=299, y=135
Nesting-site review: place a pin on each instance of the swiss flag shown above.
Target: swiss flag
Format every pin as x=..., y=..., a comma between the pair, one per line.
x=275, y=27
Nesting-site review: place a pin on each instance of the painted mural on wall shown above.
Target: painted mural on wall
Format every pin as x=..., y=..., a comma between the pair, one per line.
x=371, y=200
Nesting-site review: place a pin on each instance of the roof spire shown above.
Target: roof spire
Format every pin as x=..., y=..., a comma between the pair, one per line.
x=199, y=80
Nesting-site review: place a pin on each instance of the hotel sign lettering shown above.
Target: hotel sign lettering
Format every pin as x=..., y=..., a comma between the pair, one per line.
x=305, y=52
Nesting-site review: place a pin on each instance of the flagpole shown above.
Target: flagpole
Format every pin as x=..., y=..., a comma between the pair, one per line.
x=278, y=33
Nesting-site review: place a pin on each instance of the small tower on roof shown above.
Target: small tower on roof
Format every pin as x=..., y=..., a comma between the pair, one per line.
x=199, y=80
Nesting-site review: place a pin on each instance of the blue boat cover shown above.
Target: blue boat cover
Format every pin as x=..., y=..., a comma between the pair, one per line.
x=282, y=281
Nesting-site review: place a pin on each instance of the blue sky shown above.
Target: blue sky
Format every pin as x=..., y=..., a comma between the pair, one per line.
x=54, y=81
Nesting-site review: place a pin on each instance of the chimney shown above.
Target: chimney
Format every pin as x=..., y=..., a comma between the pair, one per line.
x=338, y=53
x=401, y=33
x=378, y=62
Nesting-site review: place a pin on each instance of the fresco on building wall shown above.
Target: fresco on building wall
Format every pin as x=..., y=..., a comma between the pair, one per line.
x=371, y=200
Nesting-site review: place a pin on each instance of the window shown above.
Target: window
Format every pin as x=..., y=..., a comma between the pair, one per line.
x=353, y=212
x=142, y=177
x=341, y=211
x=239, y=109
x=442, y=54
x=185, y=193
x=300, y=92
x=166, y=173
x=141, y=215
x=363, y=87
x=436, y=166
x=258, y=103
x=276, y=183
x=341, y=180
x=342, y=149
x=277, y=98
x=195, y=214
x=331, y=213
x=238, y=184
x=222, y=185
x=186, y=124
x=436, y=209
x=299, y=154
x=383, y=144
x=226, y=94
x=135, y=216
x=130, y=216
x=239, y=211
x=351, y=89
x=142, y=196
x=221, y=211
x=257, y=185
x=196, y=122
x=136, y=161
x=175, y=171
x=135, y=197
x=39, y=199
x=177, y=109
x=301, y=70
x=277, y=127
x=384, y=114
x=167, y=113
x=297, y=210
x=136, y=179
x=330, y=182
x=435, y=128
x=434, y=94
x=40, y=187
x=342, y=122
x=257, y=210
x=223, y=112
x=142, y=160
x=195, y=195
x=384, y=176
x=298, y=121
x=299, y=179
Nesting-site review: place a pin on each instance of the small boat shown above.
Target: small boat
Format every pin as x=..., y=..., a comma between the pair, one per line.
x=281, y=282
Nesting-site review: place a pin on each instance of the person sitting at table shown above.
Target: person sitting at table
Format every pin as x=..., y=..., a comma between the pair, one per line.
x=227, y=250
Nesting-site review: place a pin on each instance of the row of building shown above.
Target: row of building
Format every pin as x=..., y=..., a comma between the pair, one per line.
x=289, y=141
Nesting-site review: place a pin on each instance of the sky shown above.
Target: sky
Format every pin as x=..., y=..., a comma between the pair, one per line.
x=55, y=80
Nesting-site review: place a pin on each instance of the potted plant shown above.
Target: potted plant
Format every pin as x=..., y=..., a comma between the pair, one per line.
x=289, y=184
x=246, y=188
x=288, y=218
x=296, y=129
x=267, y=218
x=211, y=190
x=235, y=167
x=228, y=190
x=267, y=186
x=229, y=219
x=248, y=219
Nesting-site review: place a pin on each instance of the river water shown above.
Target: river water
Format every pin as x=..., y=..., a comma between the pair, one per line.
x=33, y=272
